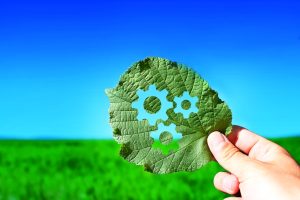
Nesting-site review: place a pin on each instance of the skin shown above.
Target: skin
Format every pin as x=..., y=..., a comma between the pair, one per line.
x=257, y=168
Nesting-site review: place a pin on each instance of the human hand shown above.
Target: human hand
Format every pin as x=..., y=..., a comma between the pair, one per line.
x=258, y=168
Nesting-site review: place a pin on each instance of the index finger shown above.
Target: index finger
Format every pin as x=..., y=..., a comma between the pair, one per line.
x=252, y=144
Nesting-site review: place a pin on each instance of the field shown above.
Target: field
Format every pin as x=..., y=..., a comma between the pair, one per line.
x=78, y=169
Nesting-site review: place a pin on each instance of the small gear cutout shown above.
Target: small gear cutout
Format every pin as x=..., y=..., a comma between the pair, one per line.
x=165, y=135
x=154, y=104
x=186, y=104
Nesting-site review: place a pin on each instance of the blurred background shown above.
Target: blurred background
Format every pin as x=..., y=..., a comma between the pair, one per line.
x=58, y=57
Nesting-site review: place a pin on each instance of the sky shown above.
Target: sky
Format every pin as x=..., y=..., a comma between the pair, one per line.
x=57, y=58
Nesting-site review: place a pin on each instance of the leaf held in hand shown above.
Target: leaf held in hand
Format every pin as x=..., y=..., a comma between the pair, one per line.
x=162, y=112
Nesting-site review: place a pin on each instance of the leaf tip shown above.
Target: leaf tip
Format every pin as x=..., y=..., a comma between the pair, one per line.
x=108, y=91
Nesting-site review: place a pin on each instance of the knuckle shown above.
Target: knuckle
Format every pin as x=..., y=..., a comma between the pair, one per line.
x=229, y=153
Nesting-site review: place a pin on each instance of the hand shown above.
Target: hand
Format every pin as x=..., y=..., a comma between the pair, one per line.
x=258, y=168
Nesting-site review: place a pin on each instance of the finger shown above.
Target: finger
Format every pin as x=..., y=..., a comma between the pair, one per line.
x=243, y=138
x=226, y=182
x=228, y=155
x=252, y=144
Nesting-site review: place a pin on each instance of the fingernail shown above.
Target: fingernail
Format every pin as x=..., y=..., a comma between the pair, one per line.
x=216, y=138
x=230, y=184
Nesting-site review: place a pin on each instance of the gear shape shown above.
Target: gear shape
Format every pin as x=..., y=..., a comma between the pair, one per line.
x=189, y=107
x=161, y=113
x=165, y=135
x=163, y=128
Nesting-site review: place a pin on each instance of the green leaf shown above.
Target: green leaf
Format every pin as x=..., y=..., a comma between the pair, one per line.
x=138, y=145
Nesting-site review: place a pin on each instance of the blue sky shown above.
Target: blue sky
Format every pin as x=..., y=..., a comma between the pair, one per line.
x=57, y=57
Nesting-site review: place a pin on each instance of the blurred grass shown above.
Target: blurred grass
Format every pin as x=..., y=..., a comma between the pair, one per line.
x=79, y=169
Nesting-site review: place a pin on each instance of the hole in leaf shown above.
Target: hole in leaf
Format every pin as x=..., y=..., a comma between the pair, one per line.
x=152, y=104
x=186, y=104
x=165, y=138
x=166, y=148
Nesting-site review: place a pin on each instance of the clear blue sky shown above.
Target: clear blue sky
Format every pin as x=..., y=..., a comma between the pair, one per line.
x=57, y=57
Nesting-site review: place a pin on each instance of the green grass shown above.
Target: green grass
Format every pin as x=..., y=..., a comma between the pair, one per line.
x=93, y=170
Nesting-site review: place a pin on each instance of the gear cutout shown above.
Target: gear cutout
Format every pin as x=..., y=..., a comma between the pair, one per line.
x=164, y=105
x=186, y=105
x=152, y=105
x=166, y=136
x=161, y=128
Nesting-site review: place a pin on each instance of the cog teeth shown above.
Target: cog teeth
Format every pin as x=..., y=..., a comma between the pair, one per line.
x=139, y=117
x=194, y=101
x=152, y=88
x=164, y=92
x=134, y=104
x=176, y=99
x=184, y=94
x=151, y=122
x=161, y=128
x=170, y=106
x=193, y=108
x=172, y=126
x=139, y=93
x=164, y=117
x=152, y=91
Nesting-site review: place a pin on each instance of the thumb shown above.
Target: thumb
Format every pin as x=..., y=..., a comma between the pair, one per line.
x=228, y=155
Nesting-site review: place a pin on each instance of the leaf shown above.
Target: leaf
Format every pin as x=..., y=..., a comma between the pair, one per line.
x=212, y=114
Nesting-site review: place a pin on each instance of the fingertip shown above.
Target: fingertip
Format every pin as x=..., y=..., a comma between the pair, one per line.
x=216, y=141
x=215, y=138
x=226, y=182
x=227, y=155
x=212, y=135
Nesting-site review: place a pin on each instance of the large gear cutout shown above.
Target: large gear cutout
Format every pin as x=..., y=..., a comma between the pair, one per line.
x=161, y=113
x=186, y=104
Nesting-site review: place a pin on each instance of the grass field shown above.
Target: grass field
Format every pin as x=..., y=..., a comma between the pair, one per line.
x=58, y=170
